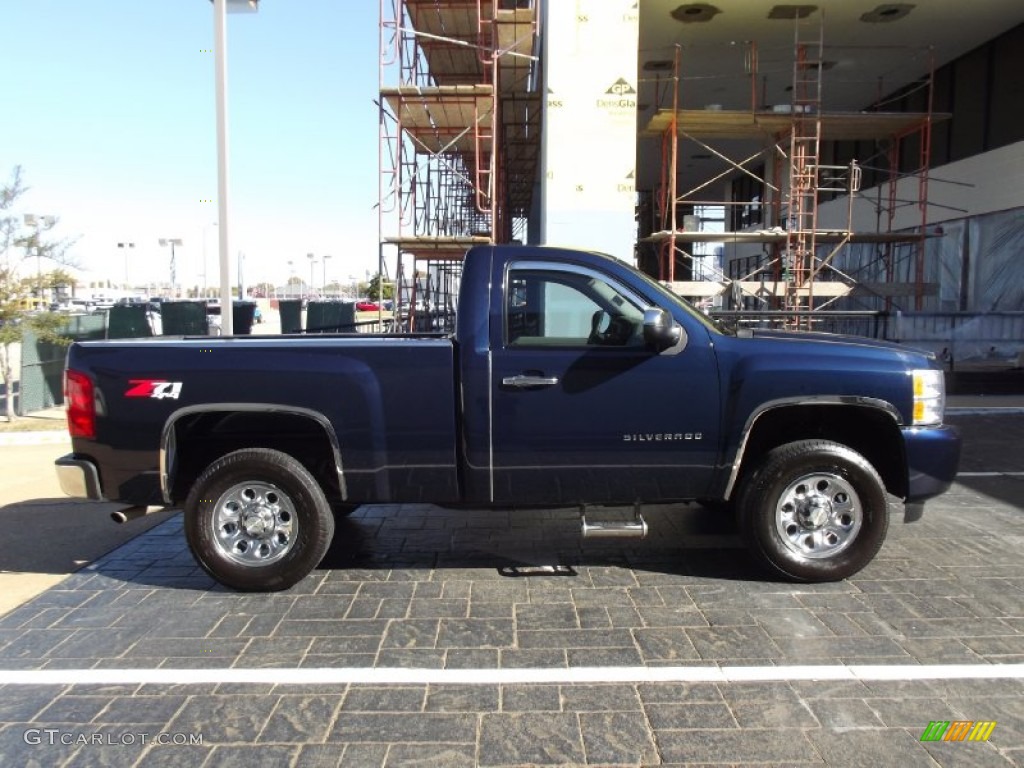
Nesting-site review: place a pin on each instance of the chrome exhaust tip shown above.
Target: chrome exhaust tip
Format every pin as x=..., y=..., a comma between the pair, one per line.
x=121, y=516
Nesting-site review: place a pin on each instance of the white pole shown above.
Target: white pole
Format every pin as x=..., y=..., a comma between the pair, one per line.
x=220, y=44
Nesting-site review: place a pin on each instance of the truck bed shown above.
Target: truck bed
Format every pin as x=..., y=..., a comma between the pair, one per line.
x=388, y=404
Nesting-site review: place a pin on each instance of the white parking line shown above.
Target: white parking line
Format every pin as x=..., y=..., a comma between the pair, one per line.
x=404, y=676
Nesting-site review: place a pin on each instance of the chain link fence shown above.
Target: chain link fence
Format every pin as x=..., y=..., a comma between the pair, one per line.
x=42, y=364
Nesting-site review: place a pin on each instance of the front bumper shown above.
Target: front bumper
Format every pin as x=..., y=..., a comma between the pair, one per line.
x=933, y=456
x=79, y=478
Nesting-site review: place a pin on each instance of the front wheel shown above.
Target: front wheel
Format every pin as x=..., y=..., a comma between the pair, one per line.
x=813, y=511
x=256, y=520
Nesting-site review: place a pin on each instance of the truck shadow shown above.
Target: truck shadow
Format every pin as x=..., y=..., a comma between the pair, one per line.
x=990, y=449
x=61, y=535
x=1007, y=489
x=682, y=540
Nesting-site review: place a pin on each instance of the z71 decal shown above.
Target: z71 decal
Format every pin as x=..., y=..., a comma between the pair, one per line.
x=155, y=388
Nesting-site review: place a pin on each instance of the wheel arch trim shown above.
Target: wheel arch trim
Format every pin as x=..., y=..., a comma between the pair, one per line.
x=169, y=436
x=790, y=402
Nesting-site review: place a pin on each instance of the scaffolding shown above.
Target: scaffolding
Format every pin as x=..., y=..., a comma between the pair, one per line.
x=797, y=270
x=459, y=124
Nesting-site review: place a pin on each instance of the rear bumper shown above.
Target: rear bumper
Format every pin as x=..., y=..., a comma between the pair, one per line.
x=933, y=456
x=78, y=478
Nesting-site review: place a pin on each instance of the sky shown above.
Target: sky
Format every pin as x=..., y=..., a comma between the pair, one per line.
x=110, y=111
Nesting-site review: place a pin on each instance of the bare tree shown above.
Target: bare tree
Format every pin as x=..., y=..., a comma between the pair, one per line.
x=20, y=294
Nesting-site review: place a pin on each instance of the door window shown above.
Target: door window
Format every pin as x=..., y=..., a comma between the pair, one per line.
x=553, y=308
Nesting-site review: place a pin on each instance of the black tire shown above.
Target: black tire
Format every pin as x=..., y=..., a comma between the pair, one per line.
x=813, y=511
x=286, y=531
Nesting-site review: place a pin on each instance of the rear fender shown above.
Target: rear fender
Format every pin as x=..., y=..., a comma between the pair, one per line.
x=169, y=457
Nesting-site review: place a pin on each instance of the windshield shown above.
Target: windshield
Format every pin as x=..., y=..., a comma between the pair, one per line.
x=671, y=298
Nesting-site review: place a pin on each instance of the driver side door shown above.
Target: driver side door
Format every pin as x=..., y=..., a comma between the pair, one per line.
x=583, y=410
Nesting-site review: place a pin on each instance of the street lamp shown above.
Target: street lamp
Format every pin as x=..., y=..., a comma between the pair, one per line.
x=126, y=247
x=172, y=242
x=326, y=256
x=220, y=46
x=38, y=222
x=312, y=261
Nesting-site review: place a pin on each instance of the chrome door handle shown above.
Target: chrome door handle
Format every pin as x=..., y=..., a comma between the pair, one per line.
x=522, y=381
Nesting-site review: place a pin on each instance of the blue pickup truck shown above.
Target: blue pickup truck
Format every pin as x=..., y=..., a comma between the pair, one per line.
x=571, y=380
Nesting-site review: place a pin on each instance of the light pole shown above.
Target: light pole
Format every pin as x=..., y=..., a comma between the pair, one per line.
x=220, y=46
x=326, y=256
x=172, y=242
x=126, y=247
x=312, y=261
x=38, y=221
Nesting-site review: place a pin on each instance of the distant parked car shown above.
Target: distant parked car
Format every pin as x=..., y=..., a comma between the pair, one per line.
x=367, y=306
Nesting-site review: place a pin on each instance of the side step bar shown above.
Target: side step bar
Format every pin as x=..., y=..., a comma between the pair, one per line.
x=607, y=529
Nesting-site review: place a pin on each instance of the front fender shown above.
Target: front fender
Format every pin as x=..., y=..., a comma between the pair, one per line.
x=787, y=419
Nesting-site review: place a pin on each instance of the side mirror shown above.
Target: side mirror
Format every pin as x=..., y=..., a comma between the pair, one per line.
x=660, y=330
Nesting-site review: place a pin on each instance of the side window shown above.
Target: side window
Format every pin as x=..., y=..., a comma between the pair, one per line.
x=568, y=309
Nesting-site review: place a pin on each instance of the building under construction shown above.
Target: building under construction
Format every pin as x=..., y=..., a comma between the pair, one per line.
x=459, y=139
x=760, y=158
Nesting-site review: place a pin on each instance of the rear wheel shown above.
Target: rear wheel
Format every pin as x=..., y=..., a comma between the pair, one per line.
x=256, y=520
x=813, y=511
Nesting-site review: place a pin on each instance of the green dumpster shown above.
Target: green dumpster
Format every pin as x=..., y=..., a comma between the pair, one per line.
x=128, y=321
x=184, y=318
x=330, y=317
x=291, y=315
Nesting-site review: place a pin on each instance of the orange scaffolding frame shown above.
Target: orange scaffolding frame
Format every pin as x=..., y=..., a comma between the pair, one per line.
x=459, y=117
x=792, y=140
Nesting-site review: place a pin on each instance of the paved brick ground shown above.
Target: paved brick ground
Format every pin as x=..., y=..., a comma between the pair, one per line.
x=423, y=588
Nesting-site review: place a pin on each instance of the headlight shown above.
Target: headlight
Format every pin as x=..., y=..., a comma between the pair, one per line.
x=929, y=397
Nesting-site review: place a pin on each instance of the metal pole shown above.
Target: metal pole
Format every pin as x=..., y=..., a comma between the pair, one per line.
x=220, y=44
x=39, y=270
x=174, y=274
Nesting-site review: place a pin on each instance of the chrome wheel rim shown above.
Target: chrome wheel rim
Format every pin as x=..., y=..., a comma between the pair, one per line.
x=818, y=515
x=254, y=523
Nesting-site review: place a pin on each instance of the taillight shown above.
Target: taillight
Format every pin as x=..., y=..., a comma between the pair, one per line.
x=81, y=407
